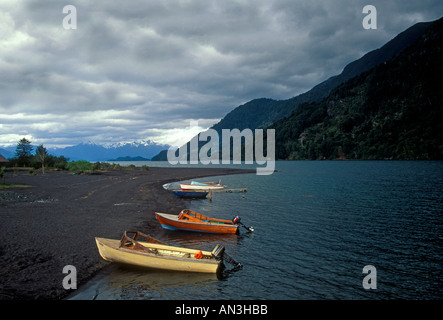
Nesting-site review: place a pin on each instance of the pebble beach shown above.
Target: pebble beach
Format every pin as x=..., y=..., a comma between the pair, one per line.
x=50, y=221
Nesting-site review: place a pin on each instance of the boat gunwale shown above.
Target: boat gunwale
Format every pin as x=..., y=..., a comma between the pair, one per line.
x=175, y=219
x=189, y=187
x=110, y=243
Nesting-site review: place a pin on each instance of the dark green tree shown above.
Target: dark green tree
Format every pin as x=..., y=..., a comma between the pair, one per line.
x=23, y=151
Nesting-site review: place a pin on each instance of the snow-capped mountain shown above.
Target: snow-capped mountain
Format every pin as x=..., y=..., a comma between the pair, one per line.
x=96, y=152
x=91, y=151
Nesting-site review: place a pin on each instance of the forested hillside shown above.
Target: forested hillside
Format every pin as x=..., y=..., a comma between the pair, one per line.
x=393, y=111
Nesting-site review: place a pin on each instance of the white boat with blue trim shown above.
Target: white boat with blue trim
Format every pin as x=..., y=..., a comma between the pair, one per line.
x=204, y=186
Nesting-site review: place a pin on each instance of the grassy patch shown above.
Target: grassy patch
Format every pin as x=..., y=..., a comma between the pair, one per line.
x=8, y=185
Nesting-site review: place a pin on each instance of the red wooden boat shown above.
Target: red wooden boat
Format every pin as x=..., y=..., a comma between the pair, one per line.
x=193, y=221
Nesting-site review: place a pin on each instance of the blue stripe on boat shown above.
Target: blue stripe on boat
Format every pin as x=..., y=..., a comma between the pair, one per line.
x=183, y=229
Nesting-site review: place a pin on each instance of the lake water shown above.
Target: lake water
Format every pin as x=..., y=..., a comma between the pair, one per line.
x=317, y=225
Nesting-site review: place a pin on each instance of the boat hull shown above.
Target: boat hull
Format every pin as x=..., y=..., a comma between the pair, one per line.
x=190, y=194
x=171, y=222
x=180, y=259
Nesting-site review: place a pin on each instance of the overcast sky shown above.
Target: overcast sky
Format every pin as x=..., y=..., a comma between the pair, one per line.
x=138, y=70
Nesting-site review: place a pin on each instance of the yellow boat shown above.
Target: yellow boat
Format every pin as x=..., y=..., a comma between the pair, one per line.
x=153, y=253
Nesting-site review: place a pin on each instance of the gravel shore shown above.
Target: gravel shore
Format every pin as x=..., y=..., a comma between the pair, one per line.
x=52, y=222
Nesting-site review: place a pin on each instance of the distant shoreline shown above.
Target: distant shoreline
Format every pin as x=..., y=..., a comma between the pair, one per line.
x=129, y=159
x=53, y=223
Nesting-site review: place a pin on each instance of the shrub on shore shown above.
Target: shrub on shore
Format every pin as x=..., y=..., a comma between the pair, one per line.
x=76, y=167
x=116, y=166
x=102, y=166
x=80, y=167
x=86, y=167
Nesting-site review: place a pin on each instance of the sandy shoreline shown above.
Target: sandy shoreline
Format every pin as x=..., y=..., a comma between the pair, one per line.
x=53, y=223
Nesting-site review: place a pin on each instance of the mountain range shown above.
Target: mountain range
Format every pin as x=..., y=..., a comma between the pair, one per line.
x=94, y=152
x=279, y=114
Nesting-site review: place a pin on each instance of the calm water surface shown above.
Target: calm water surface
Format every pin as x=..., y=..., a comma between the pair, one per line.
x=317, y=224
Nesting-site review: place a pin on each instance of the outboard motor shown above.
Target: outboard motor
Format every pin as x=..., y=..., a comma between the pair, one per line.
x=220, y=254
x=237, y=220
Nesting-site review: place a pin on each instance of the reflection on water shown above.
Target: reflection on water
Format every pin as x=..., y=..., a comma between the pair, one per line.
x=203, y=241
x=131, y=283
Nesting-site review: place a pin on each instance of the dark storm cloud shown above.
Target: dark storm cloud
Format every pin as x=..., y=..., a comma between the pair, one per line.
x=143, y=69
